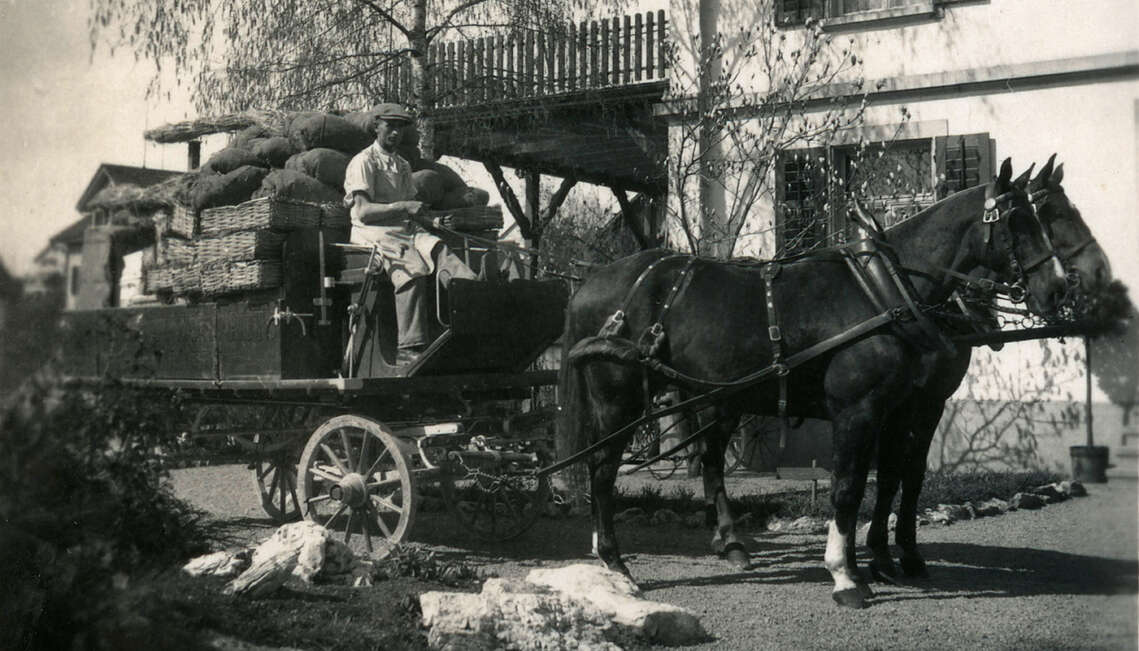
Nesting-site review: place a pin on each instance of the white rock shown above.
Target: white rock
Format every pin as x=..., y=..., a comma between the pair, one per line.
x=223, y=564
x=304, y=549
x=516, y=615
x=618, y=597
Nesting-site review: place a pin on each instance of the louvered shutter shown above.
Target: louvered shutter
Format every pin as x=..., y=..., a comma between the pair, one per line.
x=963, y=161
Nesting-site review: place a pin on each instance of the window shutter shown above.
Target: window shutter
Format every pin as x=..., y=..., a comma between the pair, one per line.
x=795, y=12
x=963, y=162
x=801, y=220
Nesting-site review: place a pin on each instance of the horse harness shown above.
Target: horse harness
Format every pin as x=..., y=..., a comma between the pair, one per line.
x=868, y=259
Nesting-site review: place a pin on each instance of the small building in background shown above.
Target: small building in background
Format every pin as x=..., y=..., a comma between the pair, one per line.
x=96, y=274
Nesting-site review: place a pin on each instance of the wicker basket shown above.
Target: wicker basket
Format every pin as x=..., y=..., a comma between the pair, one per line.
x=242, y=245
x=183, y=221
x=186, y=280
x=157, y=279
x=334, y=216
x=470, y=220
x=260, y=214
x=227, y=277
x=175, y=252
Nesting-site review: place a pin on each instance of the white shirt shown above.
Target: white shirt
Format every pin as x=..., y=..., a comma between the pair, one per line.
x=386, y=178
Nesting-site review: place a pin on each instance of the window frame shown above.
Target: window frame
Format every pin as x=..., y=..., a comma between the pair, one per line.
x=942, y=150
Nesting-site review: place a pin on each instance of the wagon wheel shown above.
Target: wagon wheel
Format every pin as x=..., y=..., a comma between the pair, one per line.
x=355, y=479
x=754, y=444
x=649, y=435
x=493, y=491
x=274, y=452
x=274, y=473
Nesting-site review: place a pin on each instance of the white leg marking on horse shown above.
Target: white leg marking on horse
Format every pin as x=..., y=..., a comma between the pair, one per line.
x=835, y=559
x=594, y=549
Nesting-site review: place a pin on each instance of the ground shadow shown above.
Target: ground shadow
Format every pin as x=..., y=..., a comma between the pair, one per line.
x=955, y=570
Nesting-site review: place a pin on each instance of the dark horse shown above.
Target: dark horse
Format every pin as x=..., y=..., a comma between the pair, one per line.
x=909, y=431
x=715, y=327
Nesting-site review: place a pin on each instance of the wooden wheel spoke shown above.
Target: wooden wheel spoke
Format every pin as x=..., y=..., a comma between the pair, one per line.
x=318, y=498
x=324, y=474
x=347, y=449
x=334, y=459
x=348, y=528
x=363, y=453
x=383, y=525
x=365, y=528
x=335, y=515
x=383, y=483
x=386, y=503
x=376, y=464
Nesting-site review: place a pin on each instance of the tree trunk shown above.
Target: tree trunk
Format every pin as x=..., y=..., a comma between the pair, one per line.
x=423, y=94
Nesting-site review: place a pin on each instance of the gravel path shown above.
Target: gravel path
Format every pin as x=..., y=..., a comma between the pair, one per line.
x=1063, y=577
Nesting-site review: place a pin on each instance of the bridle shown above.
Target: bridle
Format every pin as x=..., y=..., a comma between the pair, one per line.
x=1037, y=200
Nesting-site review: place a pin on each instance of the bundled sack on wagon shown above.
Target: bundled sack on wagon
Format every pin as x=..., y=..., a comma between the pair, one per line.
x=269, y=180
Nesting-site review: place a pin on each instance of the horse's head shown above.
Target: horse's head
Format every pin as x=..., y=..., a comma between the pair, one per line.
x=1017, y=246
x=1084, y=260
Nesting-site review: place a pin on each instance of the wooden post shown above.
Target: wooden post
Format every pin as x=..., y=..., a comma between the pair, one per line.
x=638, y=51
x=814, y=487
x=1088, y=373
x=193, y=154
x=650, y=44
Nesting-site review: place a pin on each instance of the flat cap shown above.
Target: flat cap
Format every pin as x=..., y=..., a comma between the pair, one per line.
x=392, y=111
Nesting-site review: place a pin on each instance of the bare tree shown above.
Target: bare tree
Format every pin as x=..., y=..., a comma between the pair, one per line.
x=1006, y=412
x=303, y=55
x=748, y=98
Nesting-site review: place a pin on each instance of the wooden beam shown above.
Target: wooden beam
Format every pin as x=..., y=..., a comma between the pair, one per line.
x=509, y=199
x=558, y=199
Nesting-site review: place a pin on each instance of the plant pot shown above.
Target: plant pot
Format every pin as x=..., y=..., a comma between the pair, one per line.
x=1089, y=463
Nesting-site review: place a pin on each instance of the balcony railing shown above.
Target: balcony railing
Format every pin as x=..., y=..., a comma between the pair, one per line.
x=577, y=57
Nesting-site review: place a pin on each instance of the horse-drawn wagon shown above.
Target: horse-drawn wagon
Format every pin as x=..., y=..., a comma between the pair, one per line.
x=299, y=372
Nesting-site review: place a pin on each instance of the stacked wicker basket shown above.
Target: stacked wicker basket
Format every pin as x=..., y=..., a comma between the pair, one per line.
x=232, y=248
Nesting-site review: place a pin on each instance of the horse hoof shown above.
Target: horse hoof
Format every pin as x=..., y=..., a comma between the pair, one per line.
x=739, y=558
x=849, y=598
x=914, y=568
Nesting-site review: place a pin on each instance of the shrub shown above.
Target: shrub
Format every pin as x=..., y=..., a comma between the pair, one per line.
x=84, y=504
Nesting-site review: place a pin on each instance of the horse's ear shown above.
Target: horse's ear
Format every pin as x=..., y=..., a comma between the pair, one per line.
x=1045, y=175
x=1058, y=175
x=1021, y=181
x=1006, y=174
x=869, y=221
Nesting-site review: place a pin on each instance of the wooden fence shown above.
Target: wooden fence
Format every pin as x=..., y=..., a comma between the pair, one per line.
x=588, y=55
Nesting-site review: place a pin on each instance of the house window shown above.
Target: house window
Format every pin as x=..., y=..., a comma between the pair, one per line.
x=796, y=12
x=894, y=182
x=75, y=280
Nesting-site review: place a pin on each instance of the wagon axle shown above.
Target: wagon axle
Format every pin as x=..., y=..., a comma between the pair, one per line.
x=350, y=490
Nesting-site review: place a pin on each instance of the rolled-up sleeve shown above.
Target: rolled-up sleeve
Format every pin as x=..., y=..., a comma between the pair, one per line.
x=356, y=180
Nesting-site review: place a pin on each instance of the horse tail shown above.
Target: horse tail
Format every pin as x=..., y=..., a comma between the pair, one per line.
x=572, y=412
x=573, y=429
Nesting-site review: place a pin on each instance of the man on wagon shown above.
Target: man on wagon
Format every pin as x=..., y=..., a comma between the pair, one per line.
x=380, y=195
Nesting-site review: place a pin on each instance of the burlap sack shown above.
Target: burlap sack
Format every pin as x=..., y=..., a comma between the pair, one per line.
x=247, y=136
x=428, y=186
x=229, y=159
x=324, y=165
x=463, y=198
x=229, y=189
x=330, y=131
x=274, y=152
x=295, y=185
